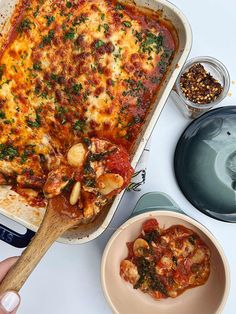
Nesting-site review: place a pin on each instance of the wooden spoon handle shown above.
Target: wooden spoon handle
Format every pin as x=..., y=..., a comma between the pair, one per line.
x=51, y=228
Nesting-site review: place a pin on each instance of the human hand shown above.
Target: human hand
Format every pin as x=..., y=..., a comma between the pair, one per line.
x=10, y=300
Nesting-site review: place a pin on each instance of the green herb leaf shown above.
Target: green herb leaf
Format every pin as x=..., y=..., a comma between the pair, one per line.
x=162, y=66
x=70, y=34
x=68, y=4
x=61, y=109
x=37, y=66
x=119, y=7
x=8, y=121
x=50, y=19
x=36, y=12
x=106, y=28
x=138, y=36
x=2, y=115
x=34, y=123
x=47, y=39
x=28, y=151
x=127, y=24
x=76, y=88
x=79, y=20
x=152, y=43
x=99, y=43
x=24, y=25
x=8, y=152
x=79, y=125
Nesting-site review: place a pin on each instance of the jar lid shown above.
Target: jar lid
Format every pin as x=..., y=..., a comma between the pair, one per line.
x=205, y=163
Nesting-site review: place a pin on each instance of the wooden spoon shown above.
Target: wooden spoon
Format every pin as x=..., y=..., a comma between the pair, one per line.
x=61, y=214
x=52, y=227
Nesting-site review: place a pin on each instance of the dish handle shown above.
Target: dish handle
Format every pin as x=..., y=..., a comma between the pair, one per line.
x=155, y=201
x=15, y=239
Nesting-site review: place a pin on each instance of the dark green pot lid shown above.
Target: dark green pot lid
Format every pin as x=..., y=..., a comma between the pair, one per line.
x=205, y=163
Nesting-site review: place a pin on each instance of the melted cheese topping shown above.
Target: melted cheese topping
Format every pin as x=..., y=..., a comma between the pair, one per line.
x=73, y=69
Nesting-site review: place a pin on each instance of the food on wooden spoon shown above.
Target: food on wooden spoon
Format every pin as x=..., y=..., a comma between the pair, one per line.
x=91, y=174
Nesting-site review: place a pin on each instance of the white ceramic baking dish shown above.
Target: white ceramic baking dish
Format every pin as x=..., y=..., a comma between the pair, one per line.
x=14, y=207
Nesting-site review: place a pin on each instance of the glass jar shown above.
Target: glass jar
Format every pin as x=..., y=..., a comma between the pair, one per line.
x=217, y=70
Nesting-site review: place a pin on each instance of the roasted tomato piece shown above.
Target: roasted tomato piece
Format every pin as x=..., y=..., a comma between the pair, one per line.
x=150, y=225
x=118, y=162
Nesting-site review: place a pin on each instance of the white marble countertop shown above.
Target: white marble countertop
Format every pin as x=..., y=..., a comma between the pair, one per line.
x=68, y=279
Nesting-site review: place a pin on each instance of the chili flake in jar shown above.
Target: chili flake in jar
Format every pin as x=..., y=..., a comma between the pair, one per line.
x=199, y=86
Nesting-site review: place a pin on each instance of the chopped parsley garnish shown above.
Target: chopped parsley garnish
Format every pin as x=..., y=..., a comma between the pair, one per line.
x=28, y=151
x=152, y=43
x=76, y=88
x=167, y=53
x=119, y=7
x=103, y=17
x=70, y=34
x=8, y=152
x=192, y=240
x=61, y=114
x=2, y=68
x=8, y=121
x=14, y=67
x=37, y=90
x=54, y=77
x=87, y=141
x=79, y=20
x=135, y=88
x=47, y=38
x=36, y=12
x=138, y=36
x=127, y=24
x=61, y=110
x=24, y=25
x=68, y=4
x=99, y=43
x=34, y=123
x=79, y=125
x=162, y=66
x=2, y=115
x=37, y=66
x=24, y=158
x=50, y=19
x=106, y=28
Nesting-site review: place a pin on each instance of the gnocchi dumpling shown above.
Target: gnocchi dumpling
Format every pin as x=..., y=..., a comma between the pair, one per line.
x=109, y=182
x=198, y=257
x=75, y=193
x=129, y=271
x=140, y=246
x=76, y=155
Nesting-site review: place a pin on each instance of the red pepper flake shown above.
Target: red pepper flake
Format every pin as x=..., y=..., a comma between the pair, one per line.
x=199, y=86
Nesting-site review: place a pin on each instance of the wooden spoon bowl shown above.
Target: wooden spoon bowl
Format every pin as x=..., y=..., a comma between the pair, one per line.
x=54, y=224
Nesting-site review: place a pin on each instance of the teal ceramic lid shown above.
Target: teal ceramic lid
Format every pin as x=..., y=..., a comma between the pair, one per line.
x=205, y=163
